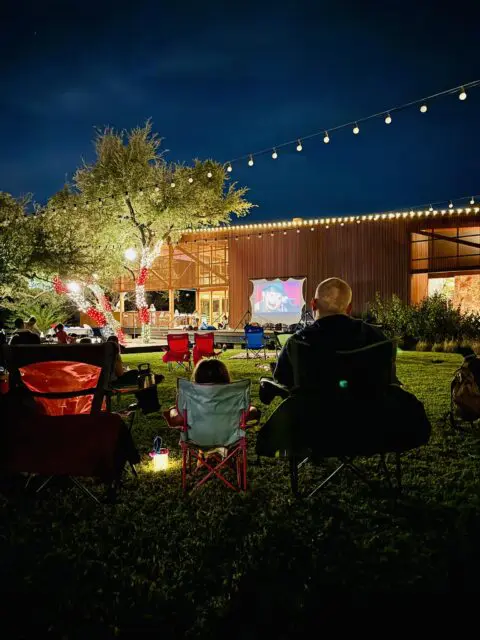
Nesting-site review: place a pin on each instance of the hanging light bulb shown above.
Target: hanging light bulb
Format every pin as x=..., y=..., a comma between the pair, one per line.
x=157, y=188
x=326, y=139
x=388, y=119
x=190, y=180
x=274, y=154
x=450, y=205
x=423, y=108
x=430, y=208
x=250, y=162
x=472, y=200
x=172, y=184
x=229, y=168
x=356, y=129
x=299, y=145
x=209, y=174
x=462, y=95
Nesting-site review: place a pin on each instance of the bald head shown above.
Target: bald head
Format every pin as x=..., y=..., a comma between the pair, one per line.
x=332, y=296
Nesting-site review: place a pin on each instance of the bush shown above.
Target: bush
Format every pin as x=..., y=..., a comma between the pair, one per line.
x=422, y=345
x=435, y=321
x=450, y=346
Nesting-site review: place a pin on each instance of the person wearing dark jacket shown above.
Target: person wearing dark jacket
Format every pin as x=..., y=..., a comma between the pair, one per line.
x=333, y=330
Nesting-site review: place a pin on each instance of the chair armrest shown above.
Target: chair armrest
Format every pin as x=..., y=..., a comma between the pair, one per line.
x=270, y=389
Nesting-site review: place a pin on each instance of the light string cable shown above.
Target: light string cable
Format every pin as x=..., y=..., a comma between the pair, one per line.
x=325, y=131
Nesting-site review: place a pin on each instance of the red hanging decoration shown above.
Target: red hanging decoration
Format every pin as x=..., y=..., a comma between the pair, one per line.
x=97, y=316
x=144, y=315
x=142, y=276
x=106, y=303
x=59, y=287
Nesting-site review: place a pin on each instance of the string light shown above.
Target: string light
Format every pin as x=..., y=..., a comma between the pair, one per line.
x=250, y=162
x=190, y=180
x=274, y=154
x=422, y=104
x=229, y=168
x=157, y=188
x=299, y=145
x=472, y=200
x=172, y=184
x=450, y=205
x=209, y=174
x=430, y=208
x=326, y=138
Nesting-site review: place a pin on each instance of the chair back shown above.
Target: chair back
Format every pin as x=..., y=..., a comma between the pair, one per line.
x=214, y=413
x=178, y=342
x=282, y=338
x=367, y=369
x=205, y=342
x=254, y=337
x=61, y=379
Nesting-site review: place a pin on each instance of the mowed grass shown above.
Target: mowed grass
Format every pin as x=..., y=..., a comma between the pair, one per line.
x=193, y=566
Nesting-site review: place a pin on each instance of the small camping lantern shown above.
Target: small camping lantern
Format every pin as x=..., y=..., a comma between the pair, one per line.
x=159, y=455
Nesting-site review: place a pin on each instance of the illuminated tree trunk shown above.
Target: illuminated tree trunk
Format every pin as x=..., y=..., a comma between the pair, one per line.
x=146, y=261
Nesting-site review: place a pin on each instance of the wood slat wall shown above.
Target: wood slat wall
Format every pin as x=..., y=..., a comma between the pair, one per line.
x=371, y=257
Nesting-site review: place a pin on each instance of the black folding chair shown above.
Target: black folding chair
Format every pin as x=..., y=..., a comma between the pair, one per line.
x=343, y=409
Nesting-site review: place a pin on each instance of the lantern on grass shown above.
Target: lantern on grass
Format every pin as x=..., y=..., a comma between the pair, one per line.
x=159, y=455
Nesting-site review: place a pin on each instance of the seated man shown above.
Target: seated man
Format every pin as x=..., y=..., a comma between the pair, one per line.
x=333, y=330
x=22, y=335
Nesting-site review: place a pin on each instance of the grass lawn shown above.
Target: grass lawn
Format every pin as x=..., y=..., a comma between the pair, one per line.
x=190, y=566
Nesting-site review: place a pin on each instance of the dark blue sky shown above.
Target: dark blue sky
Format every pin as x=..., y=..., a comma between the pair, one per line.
x=223, y=79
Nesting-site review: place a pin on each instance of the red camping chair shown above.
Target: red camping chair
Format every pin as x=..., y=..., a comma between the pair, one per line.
x=55, y=424
x=214, y=419
x=204, y=347
x=178, y=350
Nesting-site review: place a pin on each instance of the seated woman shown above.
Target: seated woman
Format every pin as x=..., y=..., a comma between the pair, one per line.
x=122, y=376
x=209, y=371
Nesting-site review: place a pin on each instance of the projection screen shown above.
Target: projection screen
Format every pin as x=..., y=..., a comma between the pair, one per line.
x=277, y=301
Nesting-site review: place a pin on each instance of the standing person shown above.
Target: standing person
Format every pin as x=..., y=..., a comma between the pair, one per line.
x=23, y=335
x=61, y=334
x=31, y=326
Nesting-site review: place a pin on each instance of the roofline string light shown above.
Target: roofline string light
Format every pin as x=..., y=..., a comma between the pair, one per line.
x=421, y=104
x=441, y=209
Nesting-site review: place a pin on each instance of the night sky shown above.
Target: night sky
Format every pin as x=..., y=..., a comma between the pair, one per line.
x=220, y=80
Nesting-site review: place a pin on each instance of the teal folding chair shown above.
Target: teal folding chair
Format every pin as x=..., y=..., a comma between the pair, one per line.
x=214, y=417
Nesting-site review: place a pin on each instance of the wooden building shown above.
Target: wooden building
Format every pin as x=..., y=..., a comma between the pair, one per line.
x=398, y=253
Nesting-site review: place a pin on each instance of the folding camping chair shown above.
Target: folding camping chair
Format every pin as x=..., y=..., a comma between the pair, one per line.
x=255, y=342
x=280, y=340
x=204, y=347
x=178, y=350
x=55, y=423
x=351, y=410
x=214, y=417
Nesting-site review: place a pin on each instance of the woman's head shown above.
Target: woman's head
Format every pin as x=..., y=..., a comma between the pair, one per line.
x=211, y=371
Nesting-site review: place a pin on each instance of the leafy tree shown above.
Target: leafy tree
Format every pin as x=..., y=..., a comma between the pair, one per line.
x=47, y=307
x=17, y=240
x=131, y=197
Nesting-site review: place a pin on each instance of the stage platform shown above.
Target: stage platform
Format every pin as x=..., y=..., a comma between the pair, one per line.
x=158, y=342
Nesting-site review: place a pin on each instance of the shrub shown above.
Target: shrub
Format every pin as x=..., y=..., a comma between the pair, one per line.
x=437, y=347
x=450, y=346
x=422, y=345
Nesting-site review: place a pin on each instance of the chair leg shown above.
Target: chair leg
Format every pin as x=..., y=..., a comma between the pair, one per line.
x=244, y=455
x=184, y=468
x=85, y=490
x=324, y=482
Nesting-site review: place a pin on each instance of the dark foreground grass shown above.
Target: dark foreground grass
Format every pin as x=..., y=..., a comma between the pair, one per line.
x=176, y=566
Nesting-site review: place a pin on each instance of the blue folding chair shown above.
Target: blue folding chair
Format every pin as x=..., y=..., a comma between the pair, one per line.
x=255, y=342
